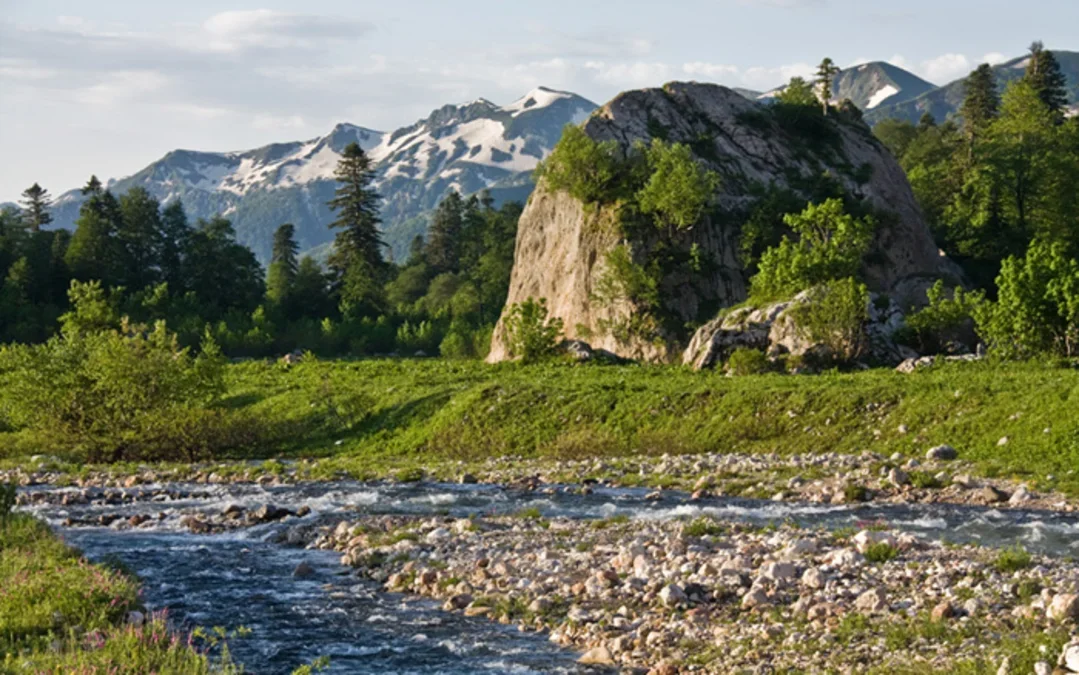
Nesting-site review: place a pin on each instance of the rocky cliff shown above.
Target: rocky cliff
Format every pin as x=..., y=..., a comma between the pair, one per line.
x=563, y=245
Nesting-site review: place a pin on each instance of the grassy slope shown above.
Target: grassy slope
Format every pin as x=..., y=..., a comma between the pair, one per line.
x=62, y=614
x=379, y=414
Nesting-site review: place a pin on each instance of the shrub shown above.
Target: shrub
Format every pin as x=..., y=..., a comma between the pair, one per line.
x=831, y=245
x=881, y=552
x=943, y=315
x=1037, y=311
x=7, y=502
x=853, y=492
x=679, y=190
x=834, y=316
x=530, y=335
x=748, y=361
x=588, y=170
x=703, y=527
x=1012, y=559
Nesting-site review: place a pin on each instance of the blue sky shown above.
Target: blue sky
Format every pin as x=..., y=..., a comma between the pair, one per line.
x=107, y=87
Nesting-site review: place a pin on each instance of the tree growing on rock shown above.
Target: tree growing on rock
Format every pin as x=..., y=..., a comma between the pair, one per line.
x=530, y=334
x=680, y=190
x=831, y=244
x=826, y=72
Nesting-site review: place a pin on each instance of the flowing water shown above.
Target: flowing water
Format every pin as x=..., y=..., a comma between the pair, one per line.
x=244, y=579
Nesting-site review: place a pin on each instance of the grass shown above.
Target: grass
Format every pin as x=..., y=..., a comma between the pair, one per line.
x=62, y=614
x=881, y=552
x=1012, y=559
x=378, y=417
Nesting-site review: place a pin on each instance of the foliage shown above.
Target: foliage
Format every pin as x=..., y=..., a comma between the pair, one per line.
x=881, y=552
x=798, y=93
x=748, y=361
x=680, y=190
x=830, y=246
x=588, y=170
x=942, y=316
x=834, y=315
x=1037, y=311
x=826, y=72
x=107, y=390
x=1012, y=559
x=530, y=335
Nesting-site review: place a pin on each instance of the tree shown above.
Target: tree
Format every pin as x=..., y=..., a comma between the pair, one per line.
x=981, y=104
x=283, y=266
x=444, y=235
x=175, y=238
x=309, y=290
x=680, y=190
x=223, y=274
x=357, y=257
x=356, y=205
x=798, y=92
x=826, y=72
x=140, y=235
x=831, y=244
x=589, y=171
x=1047, y=79
x=35, y=204
x=95, y=251
x=530, y=335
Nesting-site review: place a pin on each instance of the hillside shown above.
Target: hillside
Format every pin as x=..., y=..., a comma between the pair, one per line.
x=470, y=147
x=945, y=101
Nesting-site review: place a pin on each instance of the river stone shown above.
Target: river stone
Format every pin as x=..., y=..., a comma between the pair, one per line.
x=778, y=571
x=303, y=570
x=1070, y=657
x=873, y=600
x=754, y=597
x=1064, y=606
x=898, y=477
x=942, y=452
x=942, y=611
x=672, y=595
x=813, y=578
x=269, y=512
x=1020, y=496
x=991, y=495
x=597, y=656
x=1043, y=668
x=459, y=601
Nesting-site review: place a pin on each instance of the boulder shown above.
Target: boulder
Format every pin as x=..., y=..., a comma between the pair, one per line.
x=1064, y=607
x=597, y=656
x=562, y=243
x=944, y=453
x=873, y=600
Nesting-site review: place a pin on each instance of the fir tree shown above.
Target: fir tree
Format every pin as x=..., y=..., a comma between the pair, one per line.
x=826, y=72
x=35, y=204
x=309, y=291
x=175, y=237
x=357, y=257
x=140, y=235
x=95, y=252
x=444, y=235
x=283, y=266
x=981, y=104
x=1044, y=74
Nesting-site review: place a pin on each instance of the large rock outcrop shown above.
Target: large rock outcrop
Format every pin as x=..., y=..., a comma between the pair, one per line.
x=562, y=244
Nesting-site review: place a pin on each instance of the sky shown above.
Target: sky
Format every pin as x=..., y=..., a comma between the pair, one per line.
x=108, y=87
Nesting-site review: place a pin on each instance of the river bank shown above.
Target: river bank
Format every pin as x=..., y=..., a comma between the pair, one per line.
x=724, y=585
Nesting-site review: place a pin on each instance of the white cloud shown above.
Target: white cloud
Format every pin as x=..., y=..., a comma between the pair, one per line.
x=630, y=75
x=274, y=122
x=946, y=67
x=994, y=58
x=121, y=87
x=712, y=71
x=233, y=30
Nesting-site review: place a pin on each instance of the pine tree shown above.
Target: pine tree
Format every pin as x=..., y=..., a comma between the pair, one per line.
x=175, y=236
x=283, y=266
x=1044, y=74
x=140, y=234
x=309, y=290
x=357, y=261
x=981, y=104
x=444, y=235
x=95, y=252
x=35, y=203
x=826, y=72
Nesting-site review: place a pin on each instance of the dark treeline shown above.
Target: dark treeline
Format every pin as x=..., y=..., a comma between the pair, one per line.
x=153, y=264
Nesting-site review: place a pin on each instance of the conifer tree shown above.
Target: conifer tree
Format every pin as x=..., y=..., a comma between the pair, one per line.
x=95, y=252
x=283, y=266
x=981, y=104
x=175, y=237
x=35, y=204
x=357, y=261
x=826, y=72
x=140, y=235
x=1044, y=74
x=444, y=236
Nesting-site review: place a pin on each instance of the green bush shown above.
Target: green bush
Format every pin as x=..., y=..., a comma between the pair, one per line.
x=834, y=315
x=881, y=552
x=1037, y=311
x=748, y=361
x=942, y=316
x=831, y=245
x=530, y=335
x=679, y=190
x=588, y=170
x=1012, y=559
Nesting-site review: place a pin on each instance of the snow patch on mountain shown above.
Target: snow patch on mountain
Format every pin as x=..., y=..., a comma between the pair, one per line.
x=881, y=96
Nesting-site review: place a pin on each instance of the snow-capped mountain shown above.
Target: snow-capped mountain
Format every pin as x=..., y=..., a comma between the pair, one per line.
x=944, y=102
x=471, y=147
x=872, y=85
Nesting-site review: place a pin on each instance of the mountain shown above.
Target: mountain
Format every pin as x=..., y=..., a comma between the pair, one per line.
x=945, y=101
x=870, y=86
x=470, y=147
